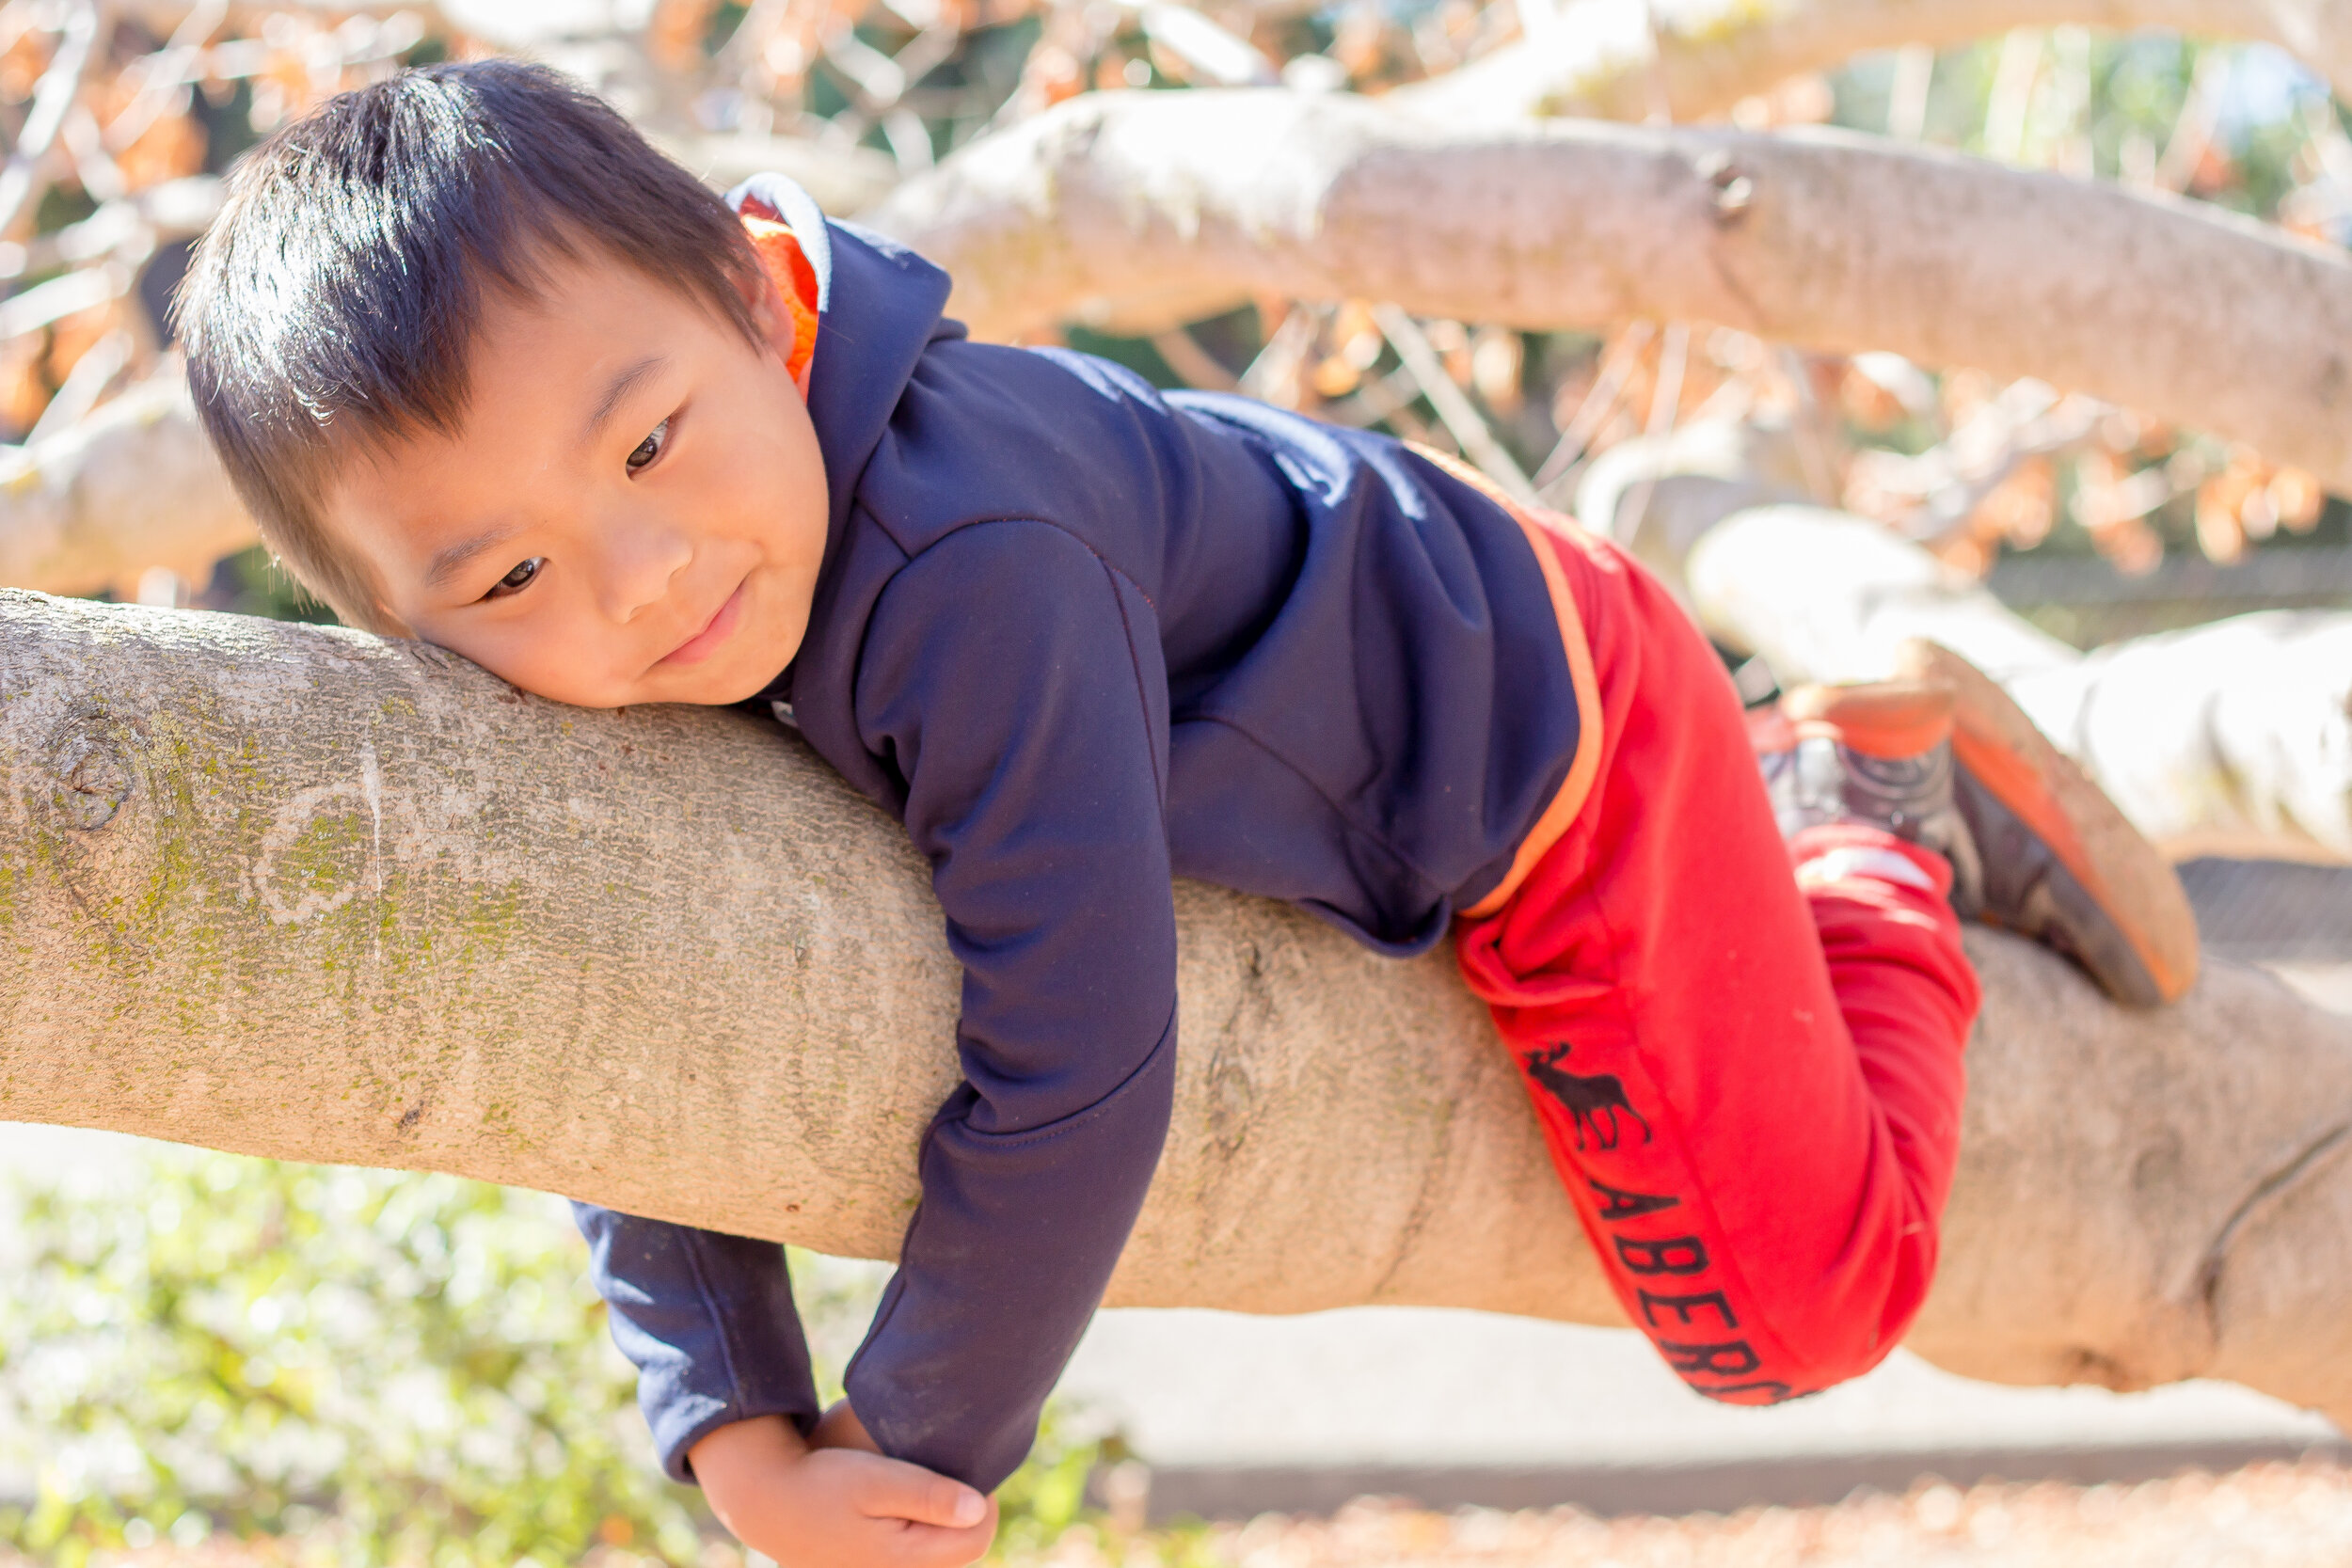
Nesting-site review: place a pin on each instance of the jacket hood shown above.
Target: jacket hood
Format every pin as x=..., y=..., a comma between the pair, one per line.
x=878, y=307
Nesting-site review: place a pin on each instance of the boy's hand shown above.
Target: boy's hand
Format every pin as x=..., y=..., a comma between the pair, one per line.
x=836, y=1507
x=839, y=1428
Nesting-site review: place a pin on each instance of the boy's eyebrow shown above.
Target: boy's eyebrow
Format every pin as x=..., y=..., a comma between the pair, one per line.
x=620, y=387
x=446, y=563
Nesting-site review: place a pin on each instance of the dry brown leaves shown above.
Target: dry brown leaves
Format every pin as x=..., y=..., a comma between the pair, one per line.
x=2264, y=1516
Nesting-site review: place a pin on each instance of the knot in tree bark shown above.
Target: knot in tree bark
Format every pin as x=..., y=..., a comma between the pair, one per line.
x=95, y=774
x=1734, y=189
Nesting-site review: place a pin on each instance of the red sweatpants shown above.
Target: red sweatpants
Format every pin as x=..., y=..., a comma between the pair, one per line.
x=1752, y=1092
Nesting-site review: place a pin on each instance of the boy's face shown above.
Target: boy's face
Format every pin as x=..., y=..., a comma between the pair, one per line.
x=632, y=512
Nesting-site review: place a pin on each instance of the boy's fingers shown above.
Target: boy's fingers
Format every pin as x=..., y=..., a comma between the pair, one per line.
x=932, y=1547
x=896, y=1490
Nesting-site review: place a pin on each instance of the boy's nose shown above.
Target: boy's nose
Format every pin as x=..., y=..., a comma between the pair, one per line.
x=640, y=563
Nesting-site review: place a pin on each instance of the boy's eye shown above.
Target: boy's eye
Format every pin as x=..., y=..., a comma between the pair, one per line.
x=650, y=448
x=518, y=580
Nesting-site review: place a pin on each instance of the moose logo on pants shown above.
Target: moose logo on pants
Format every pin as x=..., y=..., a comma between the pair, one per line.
x=1584, y=1098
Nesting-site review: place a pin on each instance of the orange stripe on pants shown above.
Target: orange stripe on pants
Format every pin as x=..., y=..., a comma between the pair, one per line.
x=1753, y=1093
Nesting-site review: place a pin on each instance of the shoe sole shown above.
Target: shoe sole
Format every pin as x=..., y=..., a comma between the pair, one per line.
x=2107, y=897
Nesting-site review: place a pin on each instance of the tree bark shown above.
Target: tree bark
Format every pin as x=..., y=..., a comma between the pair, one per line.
x=1622, y=59
x=303, y=893
x=1140, y=209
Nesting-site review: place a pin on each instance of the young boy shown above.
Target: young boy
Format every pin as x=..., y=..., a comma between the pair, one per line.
x=492, y=372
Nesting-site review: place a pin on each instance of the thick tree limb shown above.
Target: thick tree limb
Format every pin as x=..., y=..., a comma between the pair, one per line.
x=2221, y=736
x=1146, y=208
x=1622, y=59
x=302, y=893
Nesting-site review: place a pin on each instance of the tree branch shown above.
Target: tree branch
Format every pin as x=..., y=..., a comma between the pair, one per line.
x=1139, y=209
x=2233, y=737
x=1623, y=59
x=304, y=892
x=27, y=174
x=135, y=485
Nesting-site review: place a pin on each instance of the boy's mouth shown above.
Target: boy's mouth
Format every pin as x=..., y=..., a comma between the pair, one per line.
x=716, y=630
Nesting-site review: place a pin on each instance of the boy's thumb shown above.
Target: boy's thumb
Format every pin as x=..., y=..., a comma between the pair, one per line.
x=910, y=1491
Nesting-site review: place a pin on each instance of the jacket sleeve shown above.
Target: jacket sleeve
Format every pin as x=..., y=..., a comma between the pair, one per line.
x=1013, y=682
x=710, y=1323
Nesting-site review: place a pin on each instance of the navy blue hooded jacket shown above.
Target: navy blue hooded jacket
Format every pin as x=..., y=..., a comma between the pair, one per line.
x=1083, y=636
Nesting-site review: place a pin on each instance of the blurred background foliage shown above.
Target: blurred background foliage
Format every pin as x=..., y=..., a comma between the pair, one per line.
x=854, y=94
x=374, y=1368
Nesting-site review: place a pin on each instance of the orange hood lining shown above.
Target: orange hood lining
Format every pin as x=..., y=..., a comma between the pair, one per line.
x=795, y=279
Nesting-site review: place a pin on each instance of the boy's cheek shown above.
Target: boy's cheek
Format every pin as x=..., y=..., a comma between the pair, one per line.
x=523, y=661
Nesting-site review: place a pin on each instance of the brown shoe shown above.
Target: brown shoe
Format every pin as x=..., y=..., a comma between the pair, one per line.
x=2058, y=861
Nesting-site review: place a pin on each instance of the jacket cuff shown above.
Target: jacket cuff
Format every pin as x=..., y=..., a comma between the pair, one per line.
x=687, y=1419
x=708, y=1320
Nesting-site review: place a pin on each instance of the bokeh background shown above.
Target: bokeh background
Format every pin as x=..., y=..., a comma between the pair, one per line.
x=203, y=1355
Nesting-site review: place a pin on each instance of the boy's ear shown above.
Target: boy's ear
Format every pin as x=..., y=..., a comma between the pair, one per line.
x=774, y=318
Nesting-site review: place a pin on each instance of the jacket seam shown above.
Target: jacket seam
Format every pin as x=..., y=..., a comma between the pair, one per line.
x=1078, y=1117
x=1110, y=568
x=896, y=1293
x=1071, y=533
x=1134, y=665
x=1337, y=810
x=710, y=1309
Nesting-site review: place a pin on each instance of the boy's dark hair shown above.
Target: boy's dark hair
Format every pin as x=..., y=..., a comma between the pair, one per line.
x=336, y=298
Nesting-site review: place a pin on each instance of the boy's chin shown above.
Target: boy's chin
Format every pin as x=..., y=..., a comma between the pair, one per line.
x=709, y=687
x=692, y=687
x=717, y=695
